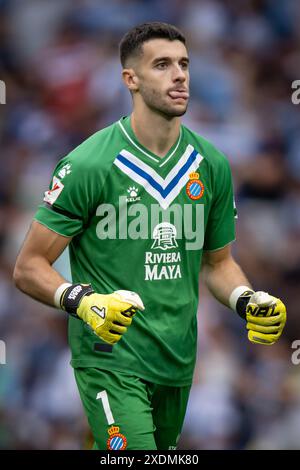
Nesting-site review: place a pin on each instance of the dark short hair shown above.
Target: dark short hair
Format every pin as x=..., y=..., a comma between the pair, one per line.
x=132, y=42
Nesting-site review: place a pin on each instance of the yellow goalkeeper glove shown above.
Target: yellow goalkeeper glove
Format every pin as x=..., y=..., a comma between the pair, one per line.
x=266, y=318
x=265, y=315
x=107, y=315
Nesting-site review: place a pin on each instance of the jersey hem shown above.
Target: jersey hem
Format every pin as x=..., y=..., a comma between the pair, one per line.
x=220, y=248
x=80, y=363
x=52, y=229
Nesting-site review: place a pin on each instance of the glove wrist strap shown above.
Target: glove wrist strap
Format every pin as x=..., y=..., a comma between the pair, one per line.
x=239, y=299
x=242, y=303
x=58, y=293
x=71, y=297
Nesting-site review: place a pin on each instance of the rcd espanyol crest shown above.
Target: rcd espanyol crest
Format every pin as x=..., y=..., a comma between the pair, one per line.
x=194, y=187
x=116, y=441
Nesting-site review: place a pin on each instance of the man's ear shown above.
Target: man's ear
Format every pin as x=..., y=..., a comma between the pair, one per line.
x=130, y=79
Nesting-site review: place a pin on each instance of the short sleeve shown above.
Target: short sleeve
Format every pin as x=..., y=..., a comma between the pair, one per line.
x=220, y=229
x=69, y=201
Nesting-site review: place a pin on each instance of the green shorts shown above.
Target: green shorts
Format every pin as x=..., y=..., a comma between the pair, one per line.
x=127, y=412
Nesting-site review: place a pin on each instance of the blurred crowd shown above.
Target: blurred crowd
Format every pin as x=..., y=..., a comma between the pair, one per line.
x=59, y=61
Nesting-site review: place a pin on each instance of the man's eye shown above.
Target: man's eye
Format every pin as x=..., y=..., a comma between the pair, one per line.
x=162, y=65
x=185, y=65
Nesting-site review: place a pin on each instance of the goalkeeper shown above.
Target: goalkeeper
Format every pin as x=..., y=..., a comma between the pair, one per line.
x=133, y=299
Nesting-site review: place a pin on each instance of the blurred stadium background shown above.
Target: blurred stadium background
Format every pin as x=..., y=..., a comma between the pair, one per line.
x=59, y=60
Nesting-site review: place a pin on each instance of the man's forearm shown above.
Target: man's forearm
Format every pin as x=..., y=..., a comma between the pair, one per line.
x=222, y=278
x=38, y=279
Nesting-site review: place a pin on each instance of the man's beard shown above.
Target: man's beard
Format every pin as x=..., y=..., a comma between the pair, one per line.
x=157, y=103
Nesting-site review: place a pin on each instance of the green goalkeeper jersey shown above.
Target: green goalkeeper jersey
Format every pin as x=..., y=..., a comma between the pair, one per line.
x=140, y=222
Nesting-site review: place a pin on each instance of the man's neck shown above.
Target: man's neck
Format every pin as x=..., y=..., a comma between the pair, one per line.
x=155, y=132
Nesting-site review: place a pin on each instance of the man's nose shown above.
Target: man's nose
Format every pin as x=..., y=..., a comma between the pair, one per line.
x=179, y=74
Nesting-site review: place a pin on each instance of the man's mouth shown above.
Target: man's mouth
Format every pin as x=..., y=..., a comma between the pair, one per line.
x=180, y=93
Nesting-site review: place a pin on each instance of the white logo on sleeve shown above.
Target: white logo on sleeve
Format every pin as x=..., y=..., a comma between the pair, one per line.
x=54, y=192
x=66, y=170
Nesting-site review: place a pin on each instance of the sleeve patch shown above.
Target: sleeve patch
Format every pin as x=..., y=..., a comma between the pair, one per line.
x=52, y=194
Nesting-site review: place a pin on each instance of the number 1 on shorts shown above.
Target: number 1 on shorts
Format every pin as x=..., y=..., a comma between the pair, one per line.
x=104, y=398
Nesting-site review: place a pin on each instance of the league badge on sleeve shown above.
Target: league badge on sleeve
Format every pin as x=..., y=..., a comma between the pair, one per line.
x=194, y=187
x=116, y=441
x=51, y=195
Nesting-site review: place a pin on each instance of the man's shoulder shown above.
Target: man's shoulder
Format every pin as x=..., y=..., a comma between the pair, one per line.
x=98, y=149
x=206, y=148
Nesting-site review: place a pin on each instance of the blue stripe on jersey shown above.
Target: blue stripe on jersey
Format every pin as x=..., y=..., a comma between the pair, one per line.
x=164, y=192
x=181, y=172
x=140, y=172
